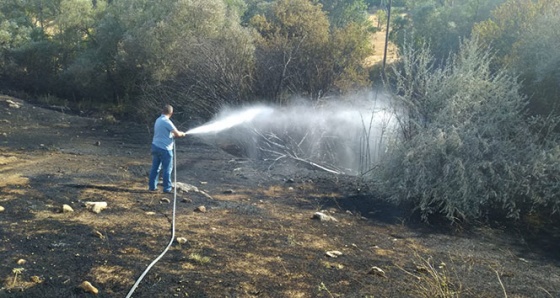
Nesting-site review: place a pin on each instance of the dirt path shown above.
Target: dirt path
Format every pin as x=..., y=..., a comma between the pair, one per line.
x=378, y=43
x=257, y=237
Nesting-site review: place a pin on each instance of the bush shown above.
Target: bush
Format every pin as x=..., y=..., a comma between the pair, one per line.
x=466, y=149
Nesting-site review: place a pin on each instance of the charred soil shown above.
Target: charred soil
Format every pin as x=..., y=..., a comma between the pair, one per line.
x=256, y=238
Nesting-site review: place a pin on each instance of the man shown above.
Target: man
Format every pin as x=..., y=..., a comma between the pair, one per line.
x=162, y=149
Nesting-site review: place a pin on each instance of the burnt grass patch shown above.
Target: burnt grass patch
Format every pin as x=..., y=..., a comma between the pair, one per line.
x=257, y=237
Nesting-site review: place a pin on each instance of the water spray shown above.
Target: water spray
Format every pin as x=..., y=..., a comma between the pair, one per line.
x=344, y=136
x=234, y=119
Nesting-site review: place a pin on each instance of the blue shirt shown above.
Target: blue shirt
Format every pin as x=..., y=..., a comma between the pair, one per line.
x=163, y=138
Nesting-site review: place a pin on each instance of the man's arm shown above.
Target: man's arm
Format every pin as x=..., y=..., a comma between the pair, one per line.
x=178, y=134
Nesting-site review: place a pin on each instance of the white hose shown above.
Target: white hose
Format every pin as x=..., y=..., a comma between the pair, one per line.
x=172, y=227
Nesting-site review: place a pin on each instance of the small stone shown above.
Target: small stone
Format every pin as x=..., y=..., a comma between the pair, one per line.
x=96, y=207
x=98, y=234
x=333, y=253
x=186, y=200
x=377, y=271
x=200, y=209
x=229, y=191
x=98, y=143
x=88, y=287
x=66, y=208
x=150, y=213
x=12, y=104
x=36, y=279
x=323, y=217
x=164, y=200
x=181, y=240
x=2, y=209
x=21, y=261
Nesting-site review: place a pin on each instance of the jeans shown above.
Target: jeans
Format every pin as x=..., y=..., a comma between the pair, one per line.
x=162, y=159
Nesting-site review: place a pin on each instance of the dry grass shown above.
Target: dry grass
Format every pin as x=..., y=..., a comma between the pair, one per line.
x=378, y=43
x=434, y=279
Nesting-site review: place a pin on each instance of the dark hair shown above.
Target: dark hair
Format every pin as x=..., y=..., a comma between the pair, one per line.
x=167, y=109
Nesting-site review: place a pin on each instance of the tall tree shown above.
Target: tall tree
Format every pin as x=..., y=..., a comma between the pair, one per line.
x=525, y=37
x=297, y=53
x=193, y=51
x=343, y=12
x=58, y=31
x=440, y=24
x=290, y=34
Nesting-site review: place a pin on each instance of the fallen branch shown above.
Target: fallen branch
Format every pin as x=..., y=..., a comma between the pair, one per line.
x=308, y=162
x=185, y=187
x=279, y=148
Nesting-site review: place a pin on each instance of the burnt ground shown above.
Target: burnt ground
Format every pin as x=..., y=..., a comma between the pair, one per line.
x=257, y=237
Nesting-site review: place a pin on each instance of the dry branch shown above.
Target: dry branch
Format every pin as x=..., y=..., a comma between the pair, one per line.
x=278, y=147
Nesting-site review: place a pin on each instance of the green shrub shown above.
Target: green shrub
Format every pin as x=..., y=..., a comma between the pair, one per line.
x=466, y=149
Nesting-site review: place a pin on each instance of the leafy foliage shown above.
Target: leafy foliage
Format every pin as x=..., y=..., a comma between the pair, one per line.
x=296, y=53
x=51, y=35
x=525, y=37
x=341, y=13
x=467, y=149
x=291, y=36
x=440, y=24
x=538, y=62
x=201, y=64
x=198, y=54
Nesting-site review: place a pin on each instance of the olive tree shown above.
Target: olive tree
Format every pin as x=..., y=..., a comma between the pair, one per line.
x=46, y=38
x=537, y=59
x=197, y=56
x=13, y=35
x=25, y=52
x=525, y=38
x=291, y=35
x=341, y=13
x=440, y=24
x=297, y=53
x=466, y=149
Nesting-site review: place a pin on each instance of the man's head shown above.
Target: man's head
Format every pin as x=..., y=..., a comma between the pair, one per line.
x=167, y=110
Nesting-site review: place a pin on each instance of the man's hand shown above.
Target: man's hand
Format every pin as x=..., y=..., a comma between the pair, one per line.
x=179, y=134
